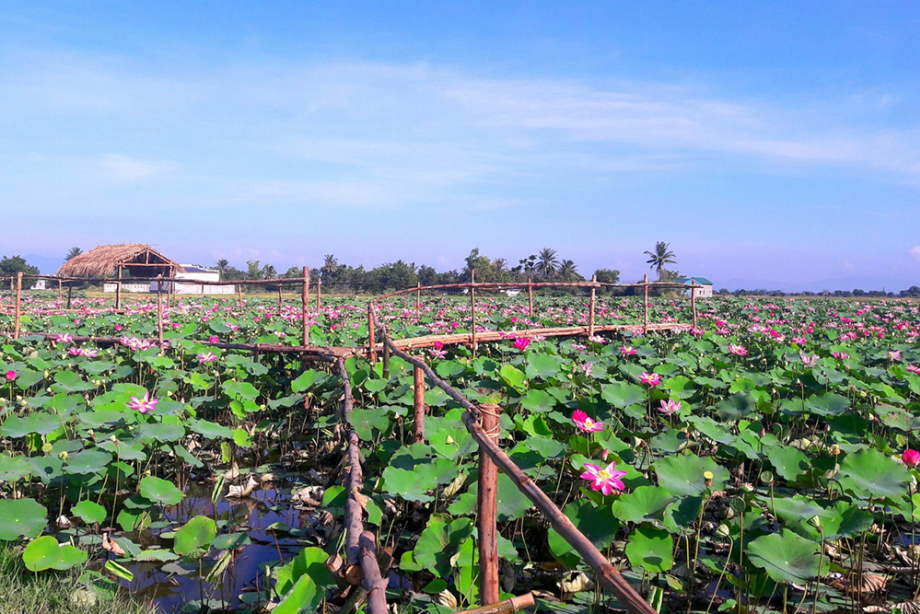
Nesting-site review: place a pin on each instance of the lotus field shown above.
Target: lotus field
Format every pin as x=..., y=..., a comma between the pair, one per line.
x=764, y=461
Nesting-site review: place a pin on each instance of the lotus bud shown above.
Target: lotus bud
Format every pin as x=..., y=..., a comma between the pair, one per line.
x=910, y=457
x=726, y=513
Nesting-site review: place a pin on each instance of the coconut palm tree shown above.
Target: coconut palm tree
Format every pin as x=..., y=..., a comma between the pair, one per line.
x=546, y=262
x=222, y=266
x=660, y=257
x=73, y=253
x=568, y=270
x=330, y=265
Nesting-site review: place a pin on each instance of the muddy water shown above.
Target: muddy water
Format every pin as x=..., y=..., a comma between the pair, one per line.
x=246, y=573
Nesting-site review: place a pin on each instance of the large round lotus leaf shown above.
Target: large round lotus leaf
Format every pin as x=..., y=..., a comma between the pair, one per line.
x=871, y=474
x=622, y=395
x=595, y=522
x=195, y=536
x=828, y=404
x=786, y=557
x=159, y=490
x=42, y=553
x=21, y=517
x=683, y=475
x=41, y=423
x=89, y=512
x=651, y=549
x=13, y=467
x=162, y=432
x=89, y=461
x=644, y=503
x=71, y=557
x=211, y=430
x=542, y=366
x=789, y=462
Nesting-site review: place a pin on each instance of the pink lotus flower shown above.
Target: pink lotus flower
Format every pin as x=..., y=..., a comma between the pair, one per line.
x=627, y=350
x=206, y=357
x=118, y=327
x=895, y=355
x=213, y=339
x=652, y=379
x=738, y=350
x=799, y=340
x=439, y=345
x=808, y=361
x=840, y=355
x=514, y=319
x=63, y=338
x=10, y=375
x=521, y=343
x=910, y=457
x=605, y=480
x=145, y=405
x=90, y=353
x=669, y=407
x=913, y=369
x=75, y=351
x=585, y=423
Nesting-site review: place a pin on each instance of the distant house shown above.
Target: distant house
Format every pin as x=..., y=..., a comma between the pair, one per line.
x=193, y=273
x=703, y=291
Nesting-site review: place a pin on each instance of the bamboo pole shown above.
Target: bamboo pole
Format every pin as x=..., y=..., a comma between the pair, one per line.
x=693, y=303
x=419, y=389
x=418, y=302
x=18, y=306
x=530, y=297
x=118, y=289
x=60, y=294
x=280, y=298
x=508, y=606
x=591, y=308
x=645, y=291
x=371, y=343
x=160, y=312
x=239, y=295
x=487, y=511
x=69, y=295
x=319, y=294
x=305, y=305
x=473, y=310
x=374, y=583
x=386, y=362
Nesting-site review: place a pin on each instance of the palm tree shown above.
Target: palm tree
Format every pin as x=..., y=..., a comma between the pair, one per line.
x=222, y=265
x=568, y=270
x=269, y=272
x=330, y=265
x=660, y=257
x=546, y=262
x=73, y=253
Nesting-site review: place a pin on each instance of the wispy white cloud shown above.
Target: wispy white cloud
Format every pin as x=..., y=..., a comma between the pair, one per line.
x=915, y=252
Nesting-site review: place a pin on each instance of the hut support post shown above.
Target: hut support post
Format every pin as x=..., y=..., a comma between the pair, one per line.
x=319, y=294
x=60, y=293
x=418, y=302
x=371, y=342
x=118, y=289
x=645, y=293
x=160, y=311
x=487, y=503
x=386, y=361
x=473, y=310
x=18, y=306
x=591, y=307
x=239, y=294
x=280, y=297
x=530, y=298
x=419, y=405
x=693, y=303
x=305, y=306
x=69, y=295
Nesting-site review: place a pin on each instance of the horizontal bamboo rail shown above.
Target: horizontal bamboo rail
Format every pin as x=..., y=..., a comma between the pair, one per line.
x=523, y=285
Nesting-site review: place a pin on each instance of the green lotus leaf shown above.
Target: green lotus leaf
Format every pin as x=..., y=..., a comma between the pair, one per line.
x=870, y=474
x=646, y=503
x=651, y=549
x=21, y=518
x=683, y=474
x=789, y=462
x=89, y=512
x=13, y=468
x=623, y=395
x=596, y=522
x=160, y=491
x=543, y=366
x=195, y=536
x=786, y=557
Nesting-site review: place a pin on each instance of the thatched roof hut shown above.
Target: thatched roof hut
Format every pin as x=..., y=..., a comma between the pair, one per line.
x=134, y=259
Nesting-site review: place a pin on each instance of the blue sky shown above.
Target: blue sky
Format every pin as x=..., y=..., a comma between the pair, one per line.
x=776, y=142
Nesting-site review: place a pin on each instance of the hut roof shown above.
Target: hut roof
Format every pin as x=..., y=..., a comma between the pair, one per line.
x=103, y=261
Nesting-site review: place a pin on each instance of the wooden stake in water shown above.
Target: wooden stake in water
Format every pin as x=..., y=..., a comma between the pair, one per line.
x=118, y=290
x=319, y=294
x=487, y=502
x=305, y=306
x=473, y=309
x=693, y=302
x=591, y=307
x=160, y=311
x=530, y=297
x=645, y=289
x=371, y=343
x=419, y=405
x=418, y=302
x=18, y=307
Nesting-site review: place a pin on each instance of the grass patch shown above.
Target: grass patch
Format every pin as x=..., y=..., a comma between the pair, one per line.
x=58, y=592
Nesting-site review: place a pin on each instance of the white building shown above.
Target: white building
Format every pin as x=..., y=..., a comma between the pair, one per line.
x=703, y=289
x=193, y=273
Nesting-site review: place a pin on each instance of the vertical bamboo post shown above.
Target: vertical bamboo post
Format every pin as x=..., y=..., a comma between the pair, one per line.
x=592, y=306
x=12, y=291
x=280, y=297
x=473, y=309
x=18, y=307
x=530, y=297
x=693, y=302
x=160, y=311
x=371, y=342
x=239, y=294
x=419, y=404
x=386, y=361
x=418, y=302
x=319, y=294
x=69, y=295
x=118, y=290
x=645, y=288
x=487, y=502
x=305, y=306
x=60, y=294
